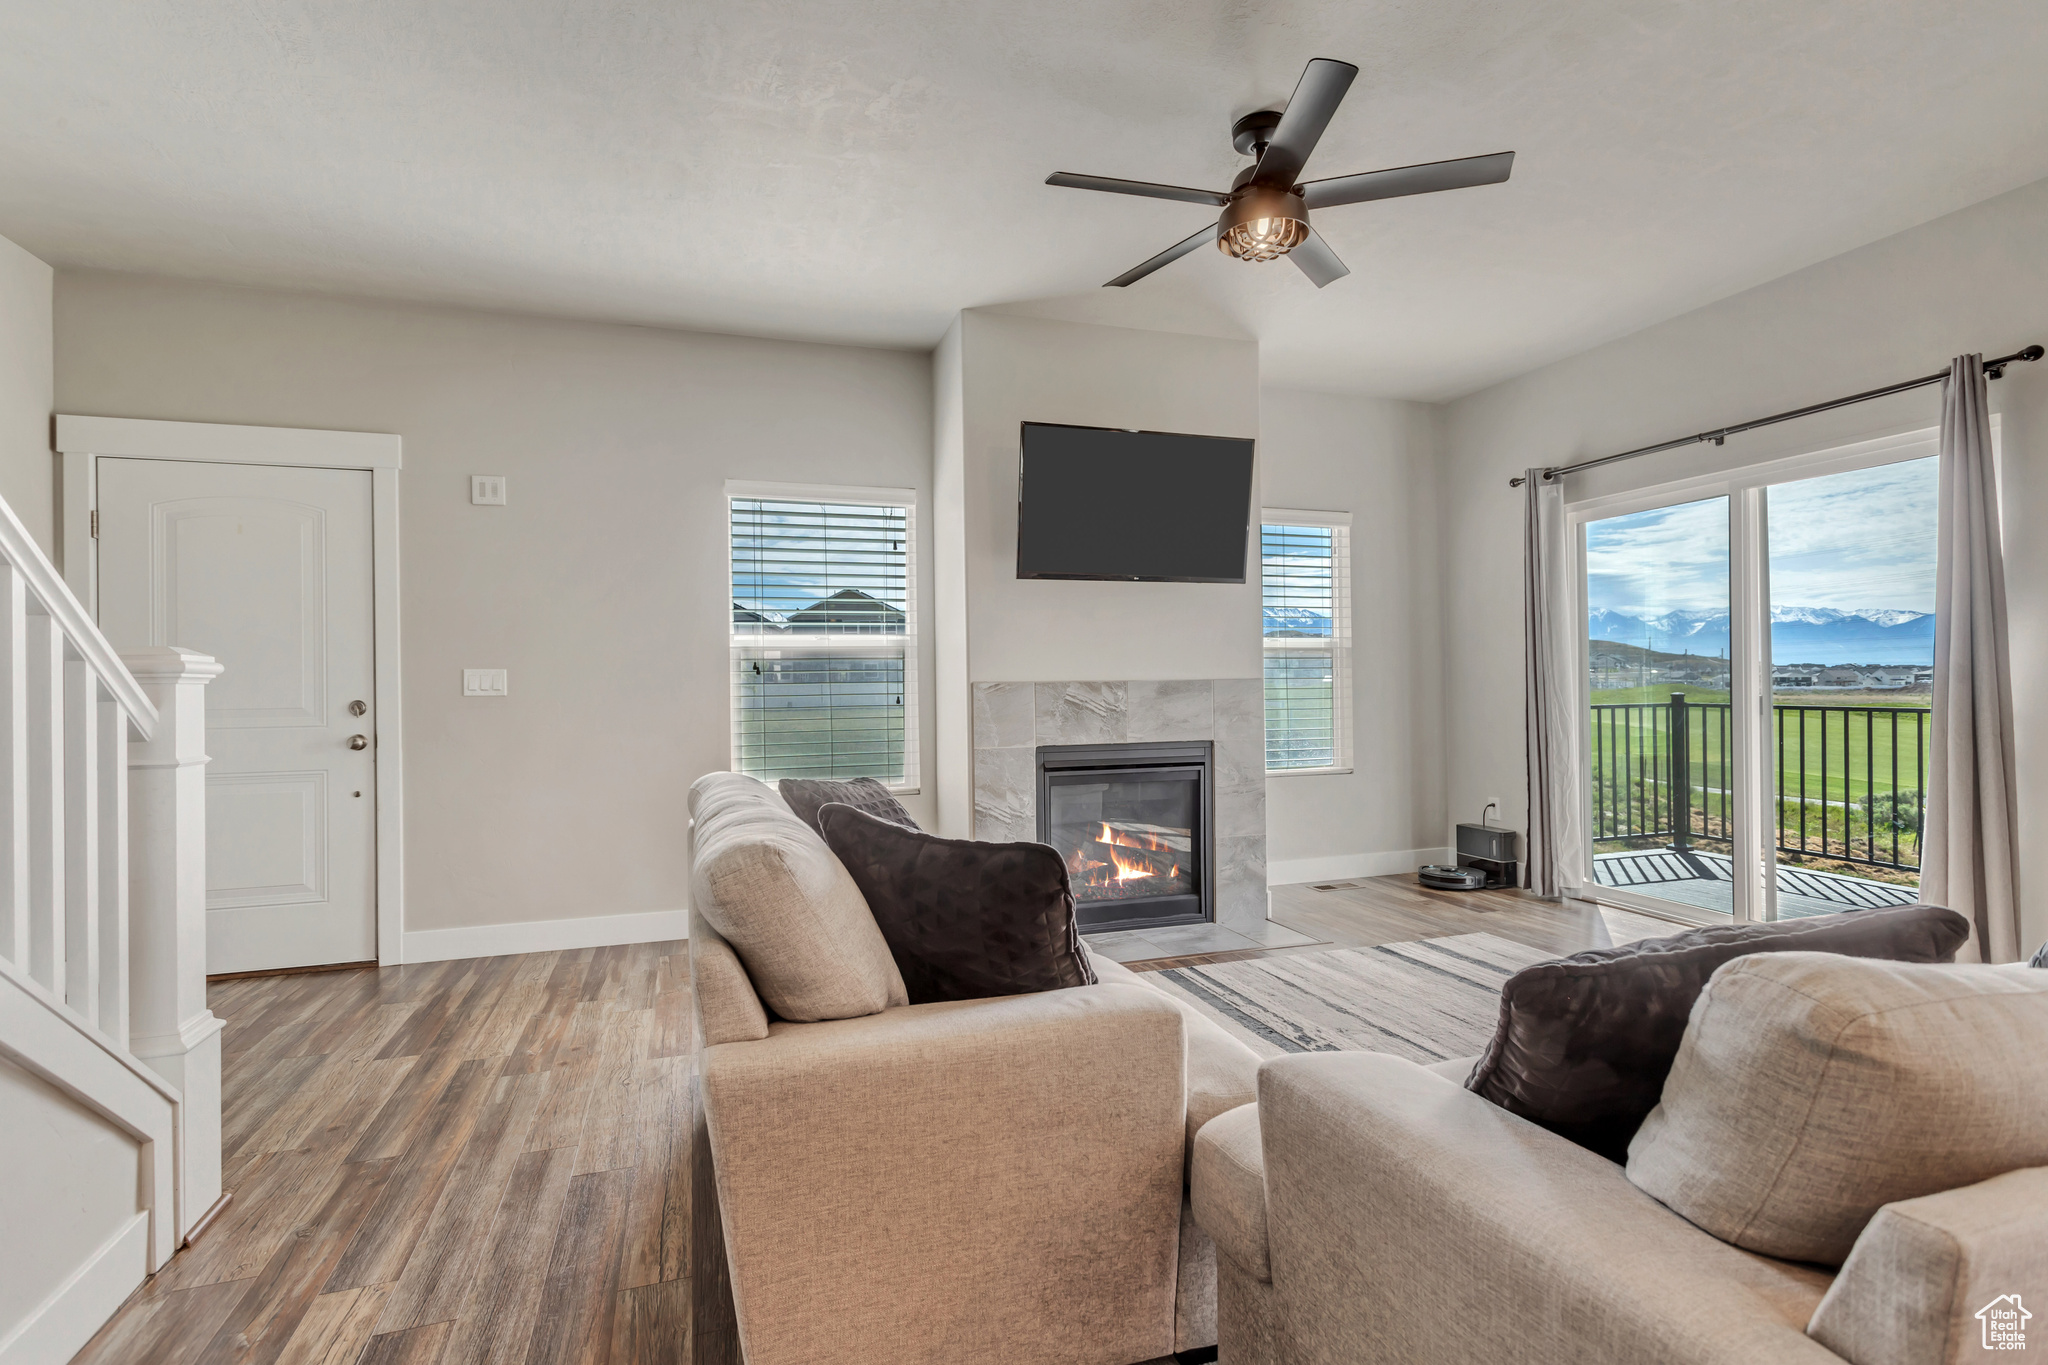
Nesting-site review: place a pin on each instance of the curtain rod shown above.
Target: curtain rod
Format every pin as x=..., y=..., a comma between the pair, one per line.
x=1993, y=369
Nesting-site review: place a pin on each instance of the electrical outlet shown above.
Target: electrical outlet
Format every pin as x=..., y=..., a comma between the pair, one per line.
x=487, y=490
x=485, y=682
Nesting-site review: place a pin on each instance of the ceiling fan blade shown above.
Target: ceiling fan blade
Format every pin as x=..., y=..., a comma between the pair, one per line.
x=1315, y=100
x=1425, y=179
x=1144, y=189
x=1166, y=257
x=1317, y=261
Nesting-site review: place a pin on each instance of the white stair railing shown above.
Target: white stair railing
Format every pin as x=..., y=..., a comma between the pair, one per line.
x=102, y=898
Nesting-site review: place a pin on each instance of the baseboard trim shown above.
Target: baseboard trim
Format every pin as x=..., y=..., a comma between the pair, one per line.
x=65, y=1321
x=207, y=1219
x=544, y=935
x=1293, y=871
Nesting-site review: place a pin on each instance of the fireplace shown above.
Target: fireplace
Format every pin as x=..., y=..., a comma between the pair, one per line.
x=1133, y=822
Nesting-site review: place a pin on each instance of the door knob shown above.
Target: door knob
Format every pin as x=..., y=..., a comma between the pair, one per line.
x=356, y=708
x=358, y=742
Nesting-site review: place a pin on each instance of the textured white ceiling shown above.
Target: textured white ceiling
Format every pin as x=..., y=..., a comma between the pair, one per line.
x=858, y=171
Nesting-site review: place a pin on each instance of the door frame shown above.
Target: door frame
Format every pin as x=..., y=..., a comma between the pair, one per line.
x=1755, y=883
x=82, y=441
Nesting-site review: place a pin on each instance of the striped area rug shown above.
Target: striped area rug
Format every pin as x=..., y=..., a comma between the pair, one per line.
x=1428, y=1001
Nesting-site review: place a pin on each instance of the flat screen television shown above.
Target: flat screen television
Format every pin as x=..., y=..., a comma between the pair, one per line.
x=1137, y=506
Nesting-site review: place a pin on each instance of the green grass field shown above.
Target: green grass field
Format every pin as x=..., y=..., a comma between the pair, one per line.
x=1842, y=769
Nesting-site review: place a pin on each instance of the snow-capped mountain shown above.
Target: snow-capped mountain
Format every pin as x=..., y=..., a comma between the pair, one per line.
x=1812, y=635
x=1297, y=621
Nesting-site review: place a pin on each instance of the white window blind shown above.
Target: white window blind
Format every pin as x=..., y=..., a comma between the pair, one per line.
x=1305, y=569
x=824, y=640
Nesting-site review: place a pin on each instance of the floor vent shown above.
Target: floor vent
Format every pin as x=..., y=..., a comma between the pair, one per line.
x=1332, y=886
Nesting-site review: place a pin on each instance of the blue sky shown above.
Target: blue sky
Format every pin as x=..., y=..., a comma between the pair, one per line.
x=1854, y=541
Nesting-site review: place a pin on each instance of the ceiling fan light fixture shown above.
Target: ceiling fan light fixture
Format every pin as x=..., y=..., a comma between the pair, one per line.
x=1261, y=224
x=1262, y=239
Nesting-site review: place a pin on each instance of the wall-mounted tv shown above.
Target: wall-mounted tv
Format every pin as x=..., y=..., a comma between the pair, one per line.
x=1140, y=506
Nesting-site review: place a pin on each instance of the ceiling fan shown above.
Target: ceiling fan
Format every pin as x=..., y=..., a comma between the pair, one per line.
x=1265, y=213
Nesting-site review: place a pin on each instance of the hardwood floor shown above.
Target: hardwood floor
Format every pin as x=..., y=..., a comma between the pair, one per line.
x=488, y=1160
x=452, y=1162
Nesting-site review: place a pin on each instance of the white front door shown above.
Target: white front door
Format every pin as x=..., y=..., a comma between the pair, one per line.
x=267, y=568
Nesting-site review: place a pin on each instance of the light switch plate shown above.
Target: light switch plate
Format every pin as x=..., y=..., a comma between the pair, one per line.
x=487, y=490
x=485, y=682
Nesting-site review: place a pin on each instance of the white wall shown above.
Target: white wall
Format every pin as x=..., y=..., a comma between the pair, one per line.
x=1376, y=459
x=603, y=585
x=25, y=386
x=59, y=1276
x=1972, y=281
x=1012, y=369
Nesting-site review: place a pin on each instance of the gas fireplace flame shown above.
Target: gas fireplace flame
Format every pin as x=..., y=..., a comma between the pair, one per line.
x=1126, y=861
x=1151, y=843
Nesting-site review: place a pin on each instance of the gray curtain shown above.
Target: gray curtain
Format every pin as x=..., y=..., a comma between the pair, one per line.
x=1554, y=852
x=1969, y=846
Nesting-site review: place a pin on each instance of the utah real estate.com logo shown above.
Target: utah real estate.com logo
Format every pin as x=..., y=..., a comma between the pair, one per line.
x=2005, y=1323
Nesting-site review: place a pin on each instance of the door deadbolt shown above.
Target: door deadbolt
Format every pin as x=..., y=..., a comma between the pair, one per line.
x=358, y=742
x=356, y=708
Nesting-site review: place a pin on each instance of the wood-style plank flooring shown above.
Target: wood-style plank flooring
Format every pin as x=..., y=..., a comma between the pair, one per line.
x=487, y=1161
x=455, y=1162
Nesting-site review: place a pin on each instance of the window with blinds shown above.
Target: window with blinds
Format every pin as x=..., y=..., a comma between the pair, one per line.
x=824, y=642
x=1305, y=567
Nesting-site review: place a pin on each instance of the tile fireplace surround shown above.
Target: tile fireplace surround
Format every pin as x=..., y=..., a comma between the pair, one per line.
x=1012, y=719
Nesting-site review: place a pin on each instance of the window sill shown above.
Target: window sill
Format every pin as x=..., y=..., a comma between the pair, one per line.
x=1307, y=772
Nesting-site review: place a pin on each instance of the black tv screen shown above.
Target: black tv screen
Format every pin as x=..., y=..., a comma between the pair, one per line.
x=1145, y=506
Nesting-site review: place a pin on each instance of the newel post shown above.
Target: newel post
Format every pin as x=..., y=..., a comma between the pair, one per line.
x=170, y=1026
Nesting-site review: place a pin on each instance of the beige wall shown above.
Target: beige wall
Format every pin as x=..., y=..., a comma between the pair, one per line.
x=1376, y=459
x=1000, y=370
x=25, y=387
x=602, y=587
x=1972, y=281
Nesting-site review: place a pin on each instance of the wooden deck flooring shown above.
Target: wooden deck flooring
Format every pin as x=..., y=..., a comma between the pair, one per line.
x=487, y=1161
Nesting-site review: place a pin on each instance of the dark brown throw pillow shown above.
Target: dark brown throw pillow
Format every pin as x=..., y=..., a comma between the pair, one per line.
x=966, y=920
x=1584, y=1043
x=807, y=795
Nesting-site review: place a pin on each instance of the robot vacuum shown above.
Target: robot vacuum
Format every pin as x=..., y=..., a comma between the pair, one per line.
x=1451, y=878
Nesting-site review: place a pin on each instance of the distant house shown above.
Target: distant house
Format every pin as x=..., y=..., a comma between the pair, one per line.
x=1841, y=677
x=747, y=616
x=848, y=612
x=1790, y=679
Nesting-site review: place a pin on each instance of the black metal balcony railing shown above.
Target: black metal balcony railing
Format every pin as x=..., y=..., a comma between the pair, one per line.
x=1850, y=780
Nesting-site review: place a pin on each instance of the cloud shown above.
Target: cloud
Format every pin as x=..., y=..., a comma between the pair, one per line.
x=1666, y=559
x=1857, y=541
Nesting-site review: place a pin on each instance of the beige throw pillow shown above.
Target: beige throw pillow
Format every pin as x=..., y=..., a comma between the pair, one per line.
x=766, y=882
x=1811, y=1090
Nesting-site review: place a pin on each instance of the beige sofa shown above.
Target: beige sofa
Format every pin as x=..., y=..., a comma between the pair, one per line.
x=1370, y=1209
x=985, y=1180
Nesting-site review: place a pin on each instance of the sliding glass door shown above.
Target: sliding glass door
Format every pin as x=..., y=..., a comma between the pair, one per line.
x=1851, y=684
x=1657, y=613
x=1759, y=655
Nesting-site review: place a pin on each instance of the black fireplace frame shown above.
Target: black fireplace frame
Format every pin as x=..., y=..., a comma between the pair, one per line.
x=1096, y=917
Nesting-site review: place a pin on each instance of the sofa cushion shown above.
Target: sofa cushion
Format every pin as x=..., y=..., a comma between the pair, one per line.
x=807, y=795
x=966, y=920
x=1228, y=1186
x=766, y=882
x=1584, y=1043
x=1811, y=1090
x=1923, y=1270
